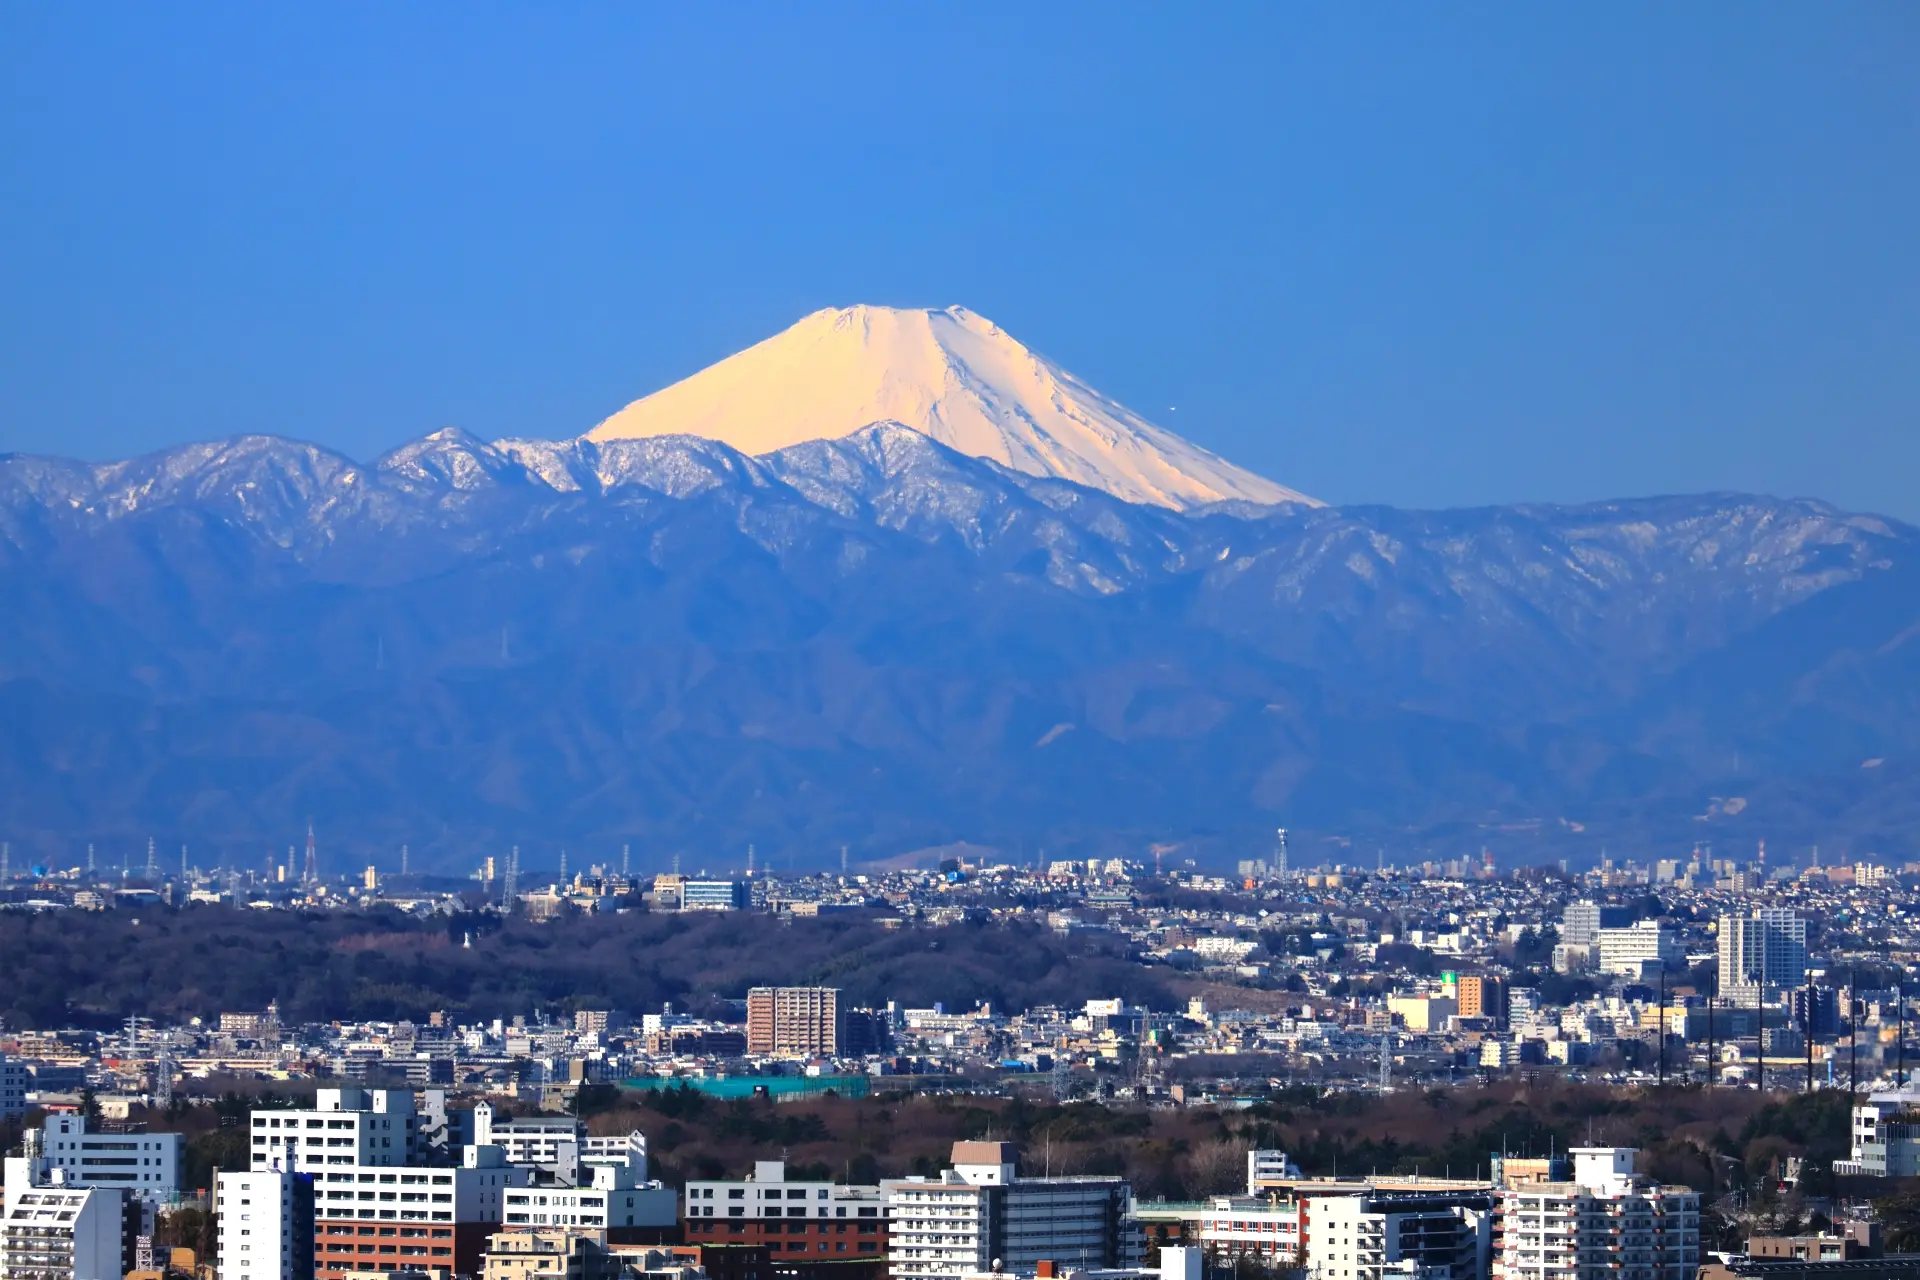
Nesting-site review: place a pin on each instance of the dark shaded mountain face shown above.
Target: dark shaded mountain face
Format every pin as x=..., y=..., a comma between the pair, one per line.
x=879, y=643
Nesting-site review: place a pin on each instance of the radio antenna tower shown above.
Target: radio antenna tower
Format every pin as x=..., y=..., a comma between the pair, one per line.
x=310, y=876
x=563, y=867
x=1280, y=858
x=513, y=874
x=1386, y=1063
x=403, y=860
x=676, y=864
x=89, y=860
x=843, y=859
x=749, y=862
x=626, y=862
x=153, y=863
x=183, y=865
x=6, y=861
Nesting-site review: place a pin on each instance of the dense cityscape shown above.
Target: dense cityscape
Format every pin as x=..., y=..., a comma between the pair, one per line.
x=1774, y=987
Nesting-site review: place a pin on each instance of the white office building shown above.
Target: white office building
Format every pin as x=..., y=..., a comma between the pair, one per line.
x=979, y=1215
x=1607, y=1222
x=145, y=1165
x=344, y=1128
x=266, y=1225
x=715, y=895
x=63, y=1233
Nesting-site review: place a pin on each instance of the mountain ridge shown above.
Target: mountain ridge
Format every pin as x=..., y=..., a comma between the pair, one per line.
x=874, y=641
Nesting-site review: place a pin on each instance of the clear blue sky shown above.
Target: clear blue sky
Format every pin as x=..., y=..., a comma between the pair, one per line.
x=1425, y=255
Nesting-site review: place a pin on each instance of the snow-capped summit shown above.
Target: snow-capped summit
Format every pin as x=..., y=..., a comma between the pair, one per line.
x=952, y=375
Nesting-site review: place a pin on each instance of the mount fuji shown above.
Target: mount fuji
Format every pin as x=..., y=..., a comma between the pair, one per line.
x=949, y=374
x=890, y=580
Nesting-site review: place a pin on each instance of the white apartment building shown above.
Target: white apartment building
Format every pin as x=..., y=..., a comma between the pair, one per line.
x=1886, y=1137
x=345, y=1128
x=63, y=1233
x=614, y=1201
x=266, y=1225
x=1380, y=1234
x=1265, y=1165
x=980, y=1213
x=1631, y=951
x=14, y=1083
x=553, y=1143
x=145, y=1165
x=1344, y=1231
x=619, y=1151
x=475, y=1192
x=1608, y=1223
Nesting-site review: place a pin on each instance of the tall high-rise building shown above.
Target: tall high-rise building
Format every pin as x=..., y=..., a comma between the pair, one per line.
x=794, y=1021
x=266, y=1225
x=1766, y=949
x=1481, y=996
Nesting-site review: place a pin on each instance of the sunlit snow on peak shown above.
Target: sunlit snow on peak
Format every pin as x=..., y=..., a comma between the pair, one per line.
x=950, y=374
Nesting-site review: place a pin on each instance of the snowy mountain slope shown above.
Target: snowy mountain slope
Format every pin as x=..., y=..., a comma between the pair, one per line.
x=952, y=375
x=874, y=639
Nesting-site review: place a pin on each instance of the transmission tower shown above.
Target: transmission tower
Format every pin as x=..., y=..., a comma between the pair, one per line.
x=513, y=874
x=626, y=862
x=163, y=1071
x=403, y=860
x=6, y=861
x=1386, y=1063
x=89, y=861
x=563, y=867
x=310, y=875
x=153, y=861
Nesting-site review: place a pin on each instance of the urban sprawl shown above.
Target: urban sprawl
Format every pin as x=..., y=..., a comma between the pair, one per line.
x=439, y=1147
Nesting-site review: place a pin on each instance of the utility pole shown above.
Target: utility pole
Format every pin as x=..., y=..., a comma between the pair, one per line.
x=1806, y=1030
